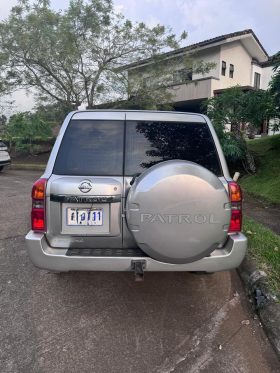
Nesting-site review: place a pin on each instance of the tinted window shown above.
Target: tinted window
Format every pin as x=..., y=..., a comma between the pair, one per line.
x=148, y=143
x=91, y=147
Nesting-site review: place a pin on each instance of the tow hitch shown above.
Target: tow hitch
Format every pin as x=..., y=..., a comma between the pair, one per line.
x=138, y=267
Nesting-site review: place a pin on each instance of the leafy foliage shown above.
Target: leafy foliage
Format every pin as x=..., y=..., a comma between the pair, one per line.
x=265, y=183
x=227, y=108
x=3, y=121
x=53, y=114
x=264, y=247
x=75, y=56
x=23, y=129
x=274, y=88
x=235, y=107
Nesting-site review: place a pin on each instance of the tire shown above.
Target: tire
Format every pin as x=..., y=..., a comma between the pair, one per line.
x=178, y=212
x=1, y=168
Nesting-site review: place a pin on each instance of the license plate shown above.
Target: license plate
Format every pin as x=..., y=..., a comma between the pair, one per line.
x=82, y=217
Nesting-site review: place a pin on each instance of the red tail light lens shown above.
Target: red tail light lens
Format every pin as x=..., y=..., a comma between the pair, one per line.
x=235, y=194
x=38, y=221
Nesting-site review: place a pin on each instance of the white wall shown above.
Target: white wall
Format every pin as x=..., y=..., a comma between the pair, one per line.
x=271, y=122
x=267, y=73
x=259, y=70
x=234, y=53
x=209, y=55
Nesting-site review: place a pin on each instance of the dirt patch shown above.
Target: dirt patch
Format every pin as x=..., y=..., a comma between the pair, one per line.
x=263, y=212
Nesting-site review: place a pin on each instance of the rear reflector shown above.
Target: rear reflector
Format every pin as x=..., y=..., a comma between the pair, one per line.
x=38, y=220
x=235, y=221
x=235, y=194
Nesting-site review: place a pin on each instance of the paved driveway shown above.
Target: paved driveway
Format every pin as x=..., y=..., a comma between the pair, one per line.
x=105, y=322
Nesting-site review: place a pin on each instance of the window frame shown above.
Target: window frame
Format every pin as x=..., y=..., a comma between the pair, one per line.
x=223, y=68
x=257, y=80
x=231, y=70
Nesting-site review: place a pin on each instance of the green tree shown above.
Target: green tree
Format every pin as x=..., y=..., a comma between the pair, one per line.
x=274, y=88
x=235, y=107
x=227, y=108
x=259, y=107
x=275, y=81
x=73, y=56
x=5, y=89
x=3, y=122
x=54, y=114
x=24, y=129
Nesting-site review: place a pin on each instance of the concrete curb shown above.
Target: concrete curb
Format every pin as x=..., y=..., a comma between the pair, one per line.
x=264, y=302
x=28, y=166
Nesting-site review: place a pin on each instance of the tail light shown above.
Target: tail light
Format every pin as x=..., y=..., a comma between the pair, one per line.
x=38, y=218
x=235, y=194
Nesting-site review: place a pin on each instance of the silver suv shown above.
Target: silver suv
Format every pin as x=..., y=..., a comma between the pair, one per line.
x=136, y=190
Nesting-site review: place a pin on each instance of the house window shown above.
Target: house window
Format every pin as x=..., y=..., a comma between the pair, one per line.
x=224, y=67
x=231, y=70
x=181, y=76
x=257, y=80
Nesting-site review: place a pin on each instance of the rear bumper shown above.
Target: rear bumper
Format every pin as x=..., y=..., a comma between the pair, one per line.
x=46, y=257
x=5, y=162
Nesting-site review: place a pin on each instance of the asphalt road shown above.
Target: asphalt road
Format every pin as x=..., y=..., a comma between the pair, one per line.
x=105, y=322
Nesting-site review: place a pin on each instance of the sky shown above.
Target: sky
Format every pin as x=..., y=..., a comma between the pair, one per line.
x=202, y=19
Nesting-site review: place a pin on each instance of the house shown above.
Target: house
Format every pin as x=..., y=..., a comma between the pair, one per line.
x=239, y=59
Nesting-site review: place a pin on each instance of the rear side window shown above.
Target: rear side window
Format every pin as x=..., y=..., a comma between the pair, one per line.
x=148, y=143
x=91, y=147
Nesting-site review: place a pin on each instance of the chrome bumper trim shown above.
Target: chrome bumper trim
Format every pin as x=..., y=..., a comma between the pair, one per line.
x=46, y=257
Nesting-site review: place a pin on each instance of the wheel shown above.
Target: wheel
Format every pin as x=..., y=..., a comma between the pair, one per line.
x=1, y=168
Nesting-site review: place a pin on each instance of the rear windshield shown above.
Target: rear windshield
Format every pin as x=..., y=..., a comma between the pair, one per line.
x=91, y=148
x=96, y=147
x=148, y=143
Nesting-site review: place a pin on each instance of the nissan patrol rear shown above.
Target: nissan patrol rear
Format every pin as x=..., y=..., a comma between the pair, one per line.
x=136, y=190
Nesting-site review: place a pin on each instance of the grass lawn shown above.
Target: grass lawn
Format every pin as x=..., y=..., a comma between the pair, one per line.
x=266, y=182
x=264, y=246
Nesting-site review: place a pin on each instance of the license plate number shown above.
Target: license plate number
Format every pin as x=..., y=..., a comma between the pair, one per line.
x=84, y=217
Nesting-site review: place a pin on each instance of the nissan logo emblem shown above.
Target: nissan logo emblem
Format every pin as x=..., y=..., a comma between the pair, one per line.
x=85, y=186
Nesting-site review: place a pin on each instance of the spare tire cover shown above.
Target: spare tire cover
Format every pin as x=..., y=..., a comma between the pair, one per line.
x=178, y=212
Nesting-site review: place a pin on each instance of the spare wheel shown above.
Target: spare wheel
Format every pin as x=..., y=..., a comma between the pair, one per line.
x=178, y=212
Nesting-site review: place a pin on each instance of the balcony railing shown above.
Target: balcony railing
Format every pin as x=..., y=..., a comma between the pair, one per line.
x=192, y=90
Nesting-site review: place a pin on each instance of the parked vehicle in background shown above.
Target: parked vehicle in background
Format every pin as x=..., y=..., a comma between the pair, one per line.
x=5, y=158
x=136, y=190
